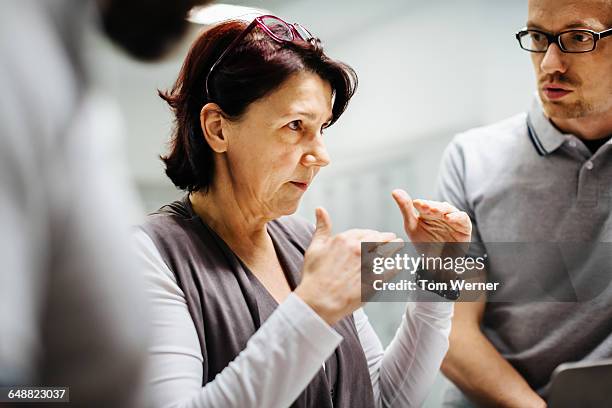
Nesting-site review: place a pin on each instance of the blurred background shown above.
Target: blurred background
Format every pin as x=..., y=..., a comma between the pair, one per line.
x=427, y=70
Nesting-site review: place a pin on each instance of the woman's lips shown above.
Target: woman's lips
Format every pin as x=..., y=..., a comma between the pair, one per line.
x=553, y=93
x=301, y=186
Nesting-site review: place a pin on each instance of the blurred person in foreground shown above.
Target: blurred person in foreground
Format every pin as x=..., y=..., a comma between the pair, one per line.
x=543, y=176
x=71, y=305
x=254, y=307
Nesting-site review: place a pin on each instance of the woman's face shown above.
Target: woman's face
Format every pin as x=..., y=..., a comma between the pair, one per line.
x=276, y=148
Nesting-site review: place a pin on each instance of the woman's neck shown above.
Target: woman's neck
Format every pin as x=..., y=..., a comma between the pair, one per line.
x=240, y=227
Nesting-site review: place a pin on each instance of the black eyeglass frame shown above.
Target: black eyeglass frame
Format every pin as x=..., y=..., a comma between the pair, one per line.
x=556, y=38
x=297, y=32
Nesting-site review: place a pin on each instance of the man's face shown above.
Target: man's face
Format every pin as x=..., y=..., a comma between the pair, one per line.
x=573, y=85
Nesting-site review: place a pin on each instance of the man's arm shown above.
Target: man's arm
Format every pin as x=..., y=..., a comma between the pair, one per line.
x=472, y=362
x=478, y=369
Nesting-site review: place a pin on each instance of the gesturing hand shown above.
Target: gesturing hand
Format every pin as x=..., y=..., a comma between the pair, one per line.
x=331, y=276
x=435, y=222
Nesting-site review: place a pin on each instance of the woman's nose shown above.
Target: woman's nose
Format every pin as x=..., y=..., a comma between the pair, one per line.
x=317, y=155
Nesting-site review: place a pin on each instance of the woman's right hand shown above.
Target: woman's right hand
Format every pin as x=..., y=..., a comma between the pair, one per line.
x=331, y=276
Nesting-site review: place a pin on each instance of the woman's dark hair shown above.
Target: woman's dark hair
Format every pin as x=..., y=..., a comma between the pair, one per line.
x=256, y=67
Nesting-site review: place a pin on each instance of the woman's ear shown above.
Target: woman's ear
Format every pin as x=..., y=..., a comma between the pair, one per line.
x=211, y=121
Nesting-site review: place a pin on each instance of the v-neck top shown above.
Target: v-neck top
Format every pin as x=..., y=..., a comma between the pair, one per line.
x=229, y=304
x=197, y=360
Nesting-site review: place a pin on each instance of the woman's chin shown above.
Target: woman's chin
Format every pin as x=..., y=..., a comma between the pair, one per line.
x=288, y=208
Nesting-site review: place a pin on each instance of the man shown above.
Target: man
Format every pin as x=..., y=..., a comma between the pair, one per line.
x=542, y=176
x=71, y=309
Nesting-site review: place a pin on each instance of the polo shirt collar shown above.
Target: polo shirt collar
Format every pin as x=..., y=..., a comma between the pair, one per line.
x=545, y=136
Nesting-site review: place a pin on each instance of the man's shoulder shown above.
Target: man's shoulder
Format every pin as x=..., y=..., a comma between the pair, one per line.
x=498, y=133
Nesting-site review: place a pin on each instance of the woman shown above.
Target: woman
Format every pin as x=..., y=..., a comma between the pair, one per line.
x=251, y=307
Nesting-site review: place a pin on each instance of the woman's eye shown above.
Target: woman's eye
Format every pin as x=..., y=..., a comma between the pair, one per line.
x=295, y=125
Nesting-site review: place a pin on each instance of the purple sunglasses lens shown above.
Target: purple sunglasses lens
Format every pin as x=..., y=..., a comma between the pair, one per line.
x=302, y=32
x=278, y=28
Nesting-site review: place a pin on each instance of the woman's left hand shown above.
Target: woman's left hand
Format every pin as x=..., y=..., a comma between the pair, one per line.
x=435, y=221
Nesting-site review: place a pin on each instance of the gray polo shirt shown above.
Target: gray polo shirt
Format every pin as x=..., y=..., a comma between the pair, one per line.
x=522, y=180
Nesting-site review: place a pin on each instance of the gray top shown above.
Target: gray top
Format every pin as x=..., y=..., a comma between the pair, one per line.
x=228, y=304
x=523, y=183
x=213, y=322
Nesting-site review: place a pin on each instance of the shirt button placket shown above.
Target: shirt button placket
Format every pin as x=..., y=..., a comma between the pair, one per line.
x=587, y=186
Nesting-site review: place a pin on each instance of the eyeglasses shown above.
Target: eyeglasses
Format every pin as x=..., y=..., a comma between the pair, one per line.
x=276, y=28
x=570, y=41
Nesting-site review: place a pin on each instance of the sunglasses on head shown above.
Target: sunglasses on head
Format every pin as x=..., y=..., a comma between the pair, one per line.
x=274, y=27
